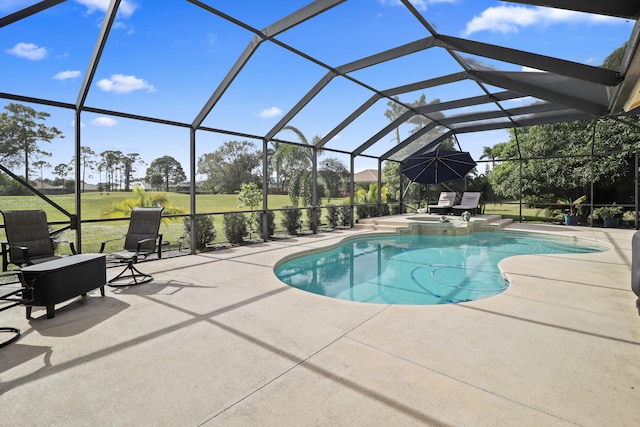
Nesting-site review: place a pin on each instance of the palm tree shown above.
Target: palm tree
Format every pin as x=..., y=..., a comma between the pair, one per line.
x=142, y=199
x=487, y=153
x=296, y=161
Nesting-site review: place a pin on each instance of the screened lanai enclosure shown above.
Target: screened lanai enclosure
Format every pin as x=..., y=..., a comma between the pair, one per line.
x=299, y=91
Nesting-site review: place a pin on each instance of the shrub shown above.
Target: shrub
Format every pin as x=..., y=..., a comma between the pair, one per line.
x=363, y=211
x=291, y=219
x=271, y=222
x=205, y=231
x=332, y=216
x=344, y=215
x=313, y=219
x=235, y=227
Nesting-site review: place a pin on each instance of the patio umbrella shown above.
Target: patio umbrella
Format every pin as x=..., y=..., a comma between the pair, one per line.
x=437, y=166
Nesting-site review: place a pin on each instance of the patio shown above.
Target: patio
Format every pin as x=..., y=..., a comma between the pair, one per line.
x=216, y=339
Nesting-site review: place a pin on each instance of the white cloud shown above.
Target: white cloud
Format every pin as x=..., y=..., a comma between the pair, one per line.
x=510, y=19
x=531, y=70
x=104, y=122
x=28, y=51
x=64, y=75
x=126, y=8
x=269, y=112
x=419, y=4
x=119, y=83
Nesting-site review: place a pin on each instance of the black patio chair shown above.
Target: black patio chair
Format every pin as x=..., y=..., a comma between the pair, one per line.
x=142, y=239
x=28, y=239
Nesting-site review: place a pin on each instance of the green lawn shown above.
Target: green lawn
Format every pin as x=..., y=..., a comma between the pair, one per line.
x=94, y=206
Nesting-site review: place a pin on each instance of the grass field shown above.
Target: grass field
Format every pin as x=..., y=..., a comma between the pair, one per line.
x=95, y=205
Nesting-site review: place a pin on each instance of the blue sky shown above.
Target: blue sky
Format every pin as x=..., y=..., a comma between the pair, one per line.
x=165, y=59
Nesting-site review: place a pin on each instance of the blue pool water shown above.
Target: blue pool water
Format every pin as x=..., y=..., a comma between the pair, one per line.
x=418, y=269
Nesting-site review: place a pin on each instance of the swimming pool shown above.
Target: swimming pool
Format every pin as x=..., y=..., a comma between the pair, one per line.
x=418, y=269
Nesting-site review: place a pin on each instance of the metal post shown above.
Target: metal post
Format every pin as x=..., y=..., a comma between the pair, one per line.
x=265, y=190
x=593, y=143
x=351, y=188
x=314, y=190
x=192, y=189
x=78, y=201
x=401, y=192
x=379, y=187
x=515, y=131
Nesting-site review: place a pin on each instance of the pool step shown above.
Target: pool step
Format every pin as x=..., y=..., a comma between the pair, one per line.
x=502, y=222
x=392, y=223
x=378, y=224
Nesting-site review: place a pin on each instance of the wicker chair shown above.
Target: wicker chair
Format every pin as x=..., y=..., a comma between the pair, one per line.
x=142, y=239
x=28, y=239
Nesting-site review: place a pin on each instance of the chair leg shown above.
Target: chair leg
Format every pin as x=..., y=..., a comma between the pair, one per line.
x=135, y=278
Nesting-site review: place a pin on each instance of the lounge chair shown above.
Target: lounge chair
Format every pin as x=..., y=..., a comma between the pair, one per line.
x=470, y=202
x=142, y=239
x=445, y=203
x=28, y=239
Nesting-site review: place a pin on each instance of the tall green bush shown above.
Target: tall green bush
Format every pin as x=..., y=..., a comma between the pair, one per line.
x=344, y=215
x=332, y=216
x=205, y=231
x=235, y=227
x=291, y=219
x=271, y=222
x=313, y=219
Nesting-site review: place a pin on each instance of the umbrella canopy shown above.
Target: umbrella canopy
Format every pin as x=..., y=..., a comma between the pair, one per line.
x=437, y=166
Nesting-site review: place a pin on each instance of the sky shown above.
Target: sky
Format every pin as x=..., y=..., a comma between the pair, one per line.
x=165, y=59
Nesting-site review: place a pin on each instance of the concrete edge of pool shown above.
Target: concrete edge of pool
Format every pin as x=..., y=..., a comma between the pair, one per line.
x=461, y=283
x=216, y=339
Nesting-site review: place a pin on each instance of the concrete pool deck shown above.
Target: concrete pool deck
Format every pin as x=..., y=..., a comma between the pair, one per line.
x=216, y=339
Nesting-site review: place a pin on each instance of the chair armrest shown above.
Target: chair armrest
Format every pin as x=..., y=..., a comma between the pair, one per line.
x=151, y=239
x=25, y=252
x=72, y=246
x=104, y=243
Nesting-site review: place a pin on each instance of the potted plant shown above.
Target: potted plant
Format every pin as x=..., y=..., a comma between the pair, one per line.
x=610, y=214
x=574, y=209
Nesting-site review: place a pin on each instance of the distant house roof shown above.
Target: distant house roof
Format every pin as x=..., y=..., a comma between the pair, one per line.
x=88, y=187
x=367, y=175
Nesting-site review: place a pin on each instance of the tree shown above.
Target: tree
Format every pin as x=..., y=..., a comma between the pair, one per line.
x=87, y=156
x=558, y=161
x=21, y=129
x=165, y=170
x=333, y=173
x=391, y=170
x=128, y=162
x=110, y=159
x=40, y=165
x=62, y=171
x=250, y=196
x=296, y=162
x=230, y=166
